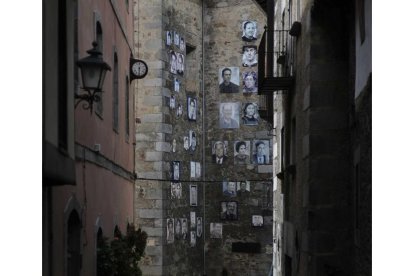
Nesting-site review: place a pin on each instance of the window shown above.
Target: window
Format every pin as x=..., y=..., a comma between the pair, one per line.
x=115, y=95
x=127, y=108
x=73, y=256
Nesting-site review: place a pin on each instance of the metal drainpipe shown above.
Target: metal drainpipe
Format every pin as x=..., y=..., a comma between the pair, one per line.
x=204, y=136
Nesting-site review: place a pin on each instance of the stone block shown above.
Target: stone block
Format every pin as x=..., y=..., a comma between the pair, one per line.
x=163, y=146
x=152, y=118
x=265, y=168
x=153, y=250
x=150, y=213
x=153, y=156
x=153, y=231
x=155, y=82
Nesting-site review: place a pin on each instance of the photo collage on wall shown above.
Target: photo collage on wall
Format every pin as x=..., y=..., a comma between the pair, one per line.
x=229, y=82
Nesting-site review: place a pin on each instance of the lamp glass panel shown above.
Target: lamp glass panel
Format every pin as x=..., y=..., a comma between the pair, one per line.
x=90, y=76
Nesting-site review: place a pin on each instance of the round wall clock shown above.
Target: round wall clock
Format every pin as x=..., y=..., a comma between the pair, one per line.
x=139, y=69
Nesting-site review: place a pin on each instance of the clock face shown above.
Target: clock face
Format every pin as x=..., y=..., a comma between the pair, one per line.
x=139, y=69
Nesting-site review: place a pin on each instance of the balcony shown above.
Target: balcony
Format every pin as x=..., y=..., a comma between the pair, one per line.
x=275, y=69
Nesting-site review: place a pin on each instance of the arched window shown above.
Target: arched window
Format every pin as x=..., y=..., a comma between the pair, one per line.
x=73, y=246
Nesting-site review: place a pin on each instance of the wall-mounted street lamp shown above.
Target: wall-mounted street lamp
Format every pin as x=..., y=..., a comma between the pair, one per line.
x=93, y=70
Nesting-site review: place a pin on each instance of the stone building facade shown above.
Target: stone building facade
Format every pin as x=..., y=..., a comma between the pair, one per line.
x=212, y=31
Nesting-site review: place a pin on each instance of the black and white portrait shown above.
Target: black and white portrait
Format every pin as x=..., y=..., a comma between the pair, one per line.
x=228, y=210
x=257, y=220
x=250, y=114
x=229, y=80
x=179, y=110
x=219, y=152
x=241, y=153
x=191, y=108
x=182, y=44
x=192, y=220
x=176, y=85
x=229, y=115
x=249, y=82
x=229, y=188
x=260, y=154
x=176, y=190
x=186, y=143
x=193, y=195
x=193, y=140
x=170, y=230
x=180, y=63
x=176, y=39
x=216, y=230
x=192, y=169
x=174, y=145
x=172, y=102
x=249, y=58
x=199, y=227
x=184, y=228
x=192, y=238
x=177, y=227
x=198, y=170
x=243, y=188
x=176, y=170
x=173, y=62
x=168, y=38
x=249, y=29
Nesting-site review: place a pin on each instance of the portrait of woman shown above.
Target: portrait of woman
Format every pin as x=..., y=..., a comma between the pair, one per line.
x=249, y=29
x=249, y=58
x=241, y=153
x=250, y=114
x=249, y=82
x=173, y=62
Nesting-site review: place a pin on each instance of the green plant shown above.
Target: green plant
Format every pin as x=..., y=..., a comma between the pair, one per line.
x=120, y=257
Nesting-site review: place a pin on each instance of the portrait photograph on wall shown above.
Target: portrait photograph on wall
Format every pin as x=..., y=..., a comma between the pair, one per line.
x=191, y=108
x=216, y=230
x=199, y=227
x=176, y=85
x=174, y=145
x=198, y=170
x=228, y=210
x=184, y=228
x=172, y=102
x=176, y=190
x=180, y=63
x=168, y=39
x=193, y=140
x=192, y=238
x=175, y=168
x=179, y=110
x=170, y=230
x=182, y=43
x=176, y=38
x=241, y=152
x=250, y=115
x=173, y=62
x=257, y=220
x=192, y=220
x=193, y=195
x=243, y=188
x=219, y=152
x=260, y=152
x=186, y=142
x=249, y=30
x=229, y=188
x=177, y=227
x=249, y=82
x=229, y=81
x=249, y=57
x=229, y=115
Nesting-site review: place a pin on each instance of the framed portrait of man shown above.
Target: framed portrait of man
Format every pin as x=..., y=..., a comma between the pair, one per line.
x=184, y=228
x=229, y=115
x=176, y=190
x=175, y=170
x=249, y=58
x=173, y=62
x=229, y=80
x=257, y=220
x=260, y=151
x=193, y=195
x=193, y=140
x=243, y=188
x=180, y=63
x=191, y=108
x=219, y=152
x=229, y=210
x=216, y=230
x=229, y=188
